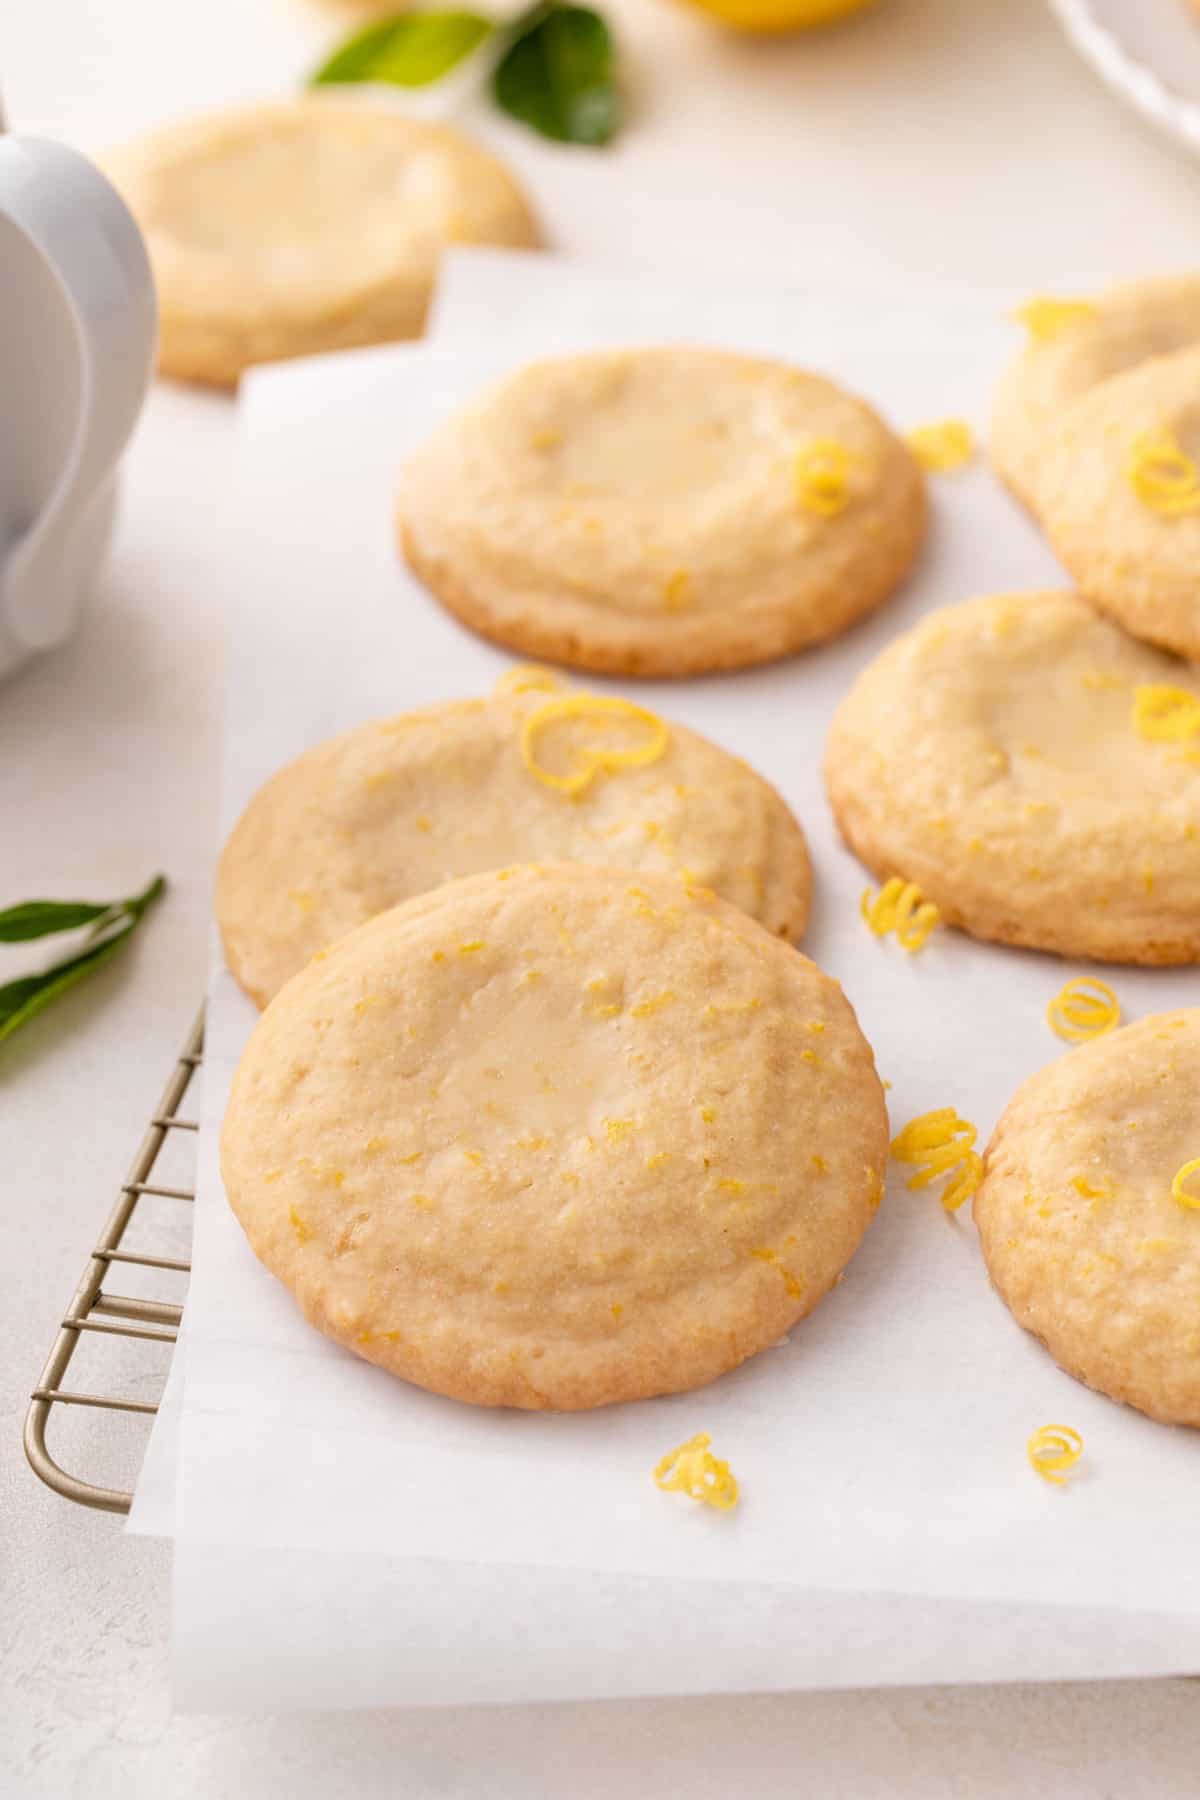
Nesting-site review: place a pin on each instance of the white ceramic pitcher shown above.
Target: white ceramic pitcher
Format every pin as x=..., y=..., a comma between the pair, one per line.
x=77, y=334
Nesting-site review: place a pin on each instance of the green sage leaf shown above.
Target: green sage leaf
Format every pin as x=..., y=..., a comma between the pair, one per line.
x=558, y=75
x=409, y=50
x=41, y=918
x=22, y=999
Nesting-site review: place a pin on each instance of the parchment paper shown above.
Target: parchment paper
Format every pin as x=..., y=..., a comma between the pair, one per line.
x=882, y=1451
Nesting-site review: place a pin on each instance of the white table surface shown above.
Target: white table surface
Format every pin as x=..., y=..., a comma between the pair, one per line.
x=937, y=141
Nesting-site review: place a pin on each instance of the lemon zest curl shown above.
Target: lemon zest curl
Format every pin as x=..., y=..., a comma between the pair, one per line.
x=1085, y=1009
x=821, y=473
x=1053, y=1448
x=940, y=1143
x=692, y=1469
x=1045, y=318
x=1179, y=1188
x=591, y=762
x=943, y=446
x=899, y=907
x=1162, y=475
x=1165, y=715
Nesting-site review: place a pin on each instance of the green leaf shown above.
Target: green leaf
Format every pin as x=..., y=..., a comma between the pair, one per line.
x=410, y=50
x=23, y=999
x=40, y=918
x=559, y=75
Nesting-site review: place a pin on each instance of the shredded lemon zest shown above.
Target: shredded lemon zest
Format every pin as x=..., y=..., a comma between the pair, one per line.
x=1085, y=1009
x=1179, y=1190
x=1084, y=1188
x=646, y=1008
x=591, y=763
x=943, y=446
x=792, y=1282
x=940, y=1143
x=528, y=678
x=1045, y=318
x=1162, y=475
x=1053, y=1448
x=692, y=1469
x=1165, y=715
x=820, y=471
x=899, y=907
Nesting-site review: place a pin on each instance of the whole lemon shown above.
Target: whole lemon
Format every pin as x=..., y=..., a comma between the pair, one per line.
x=780, y=15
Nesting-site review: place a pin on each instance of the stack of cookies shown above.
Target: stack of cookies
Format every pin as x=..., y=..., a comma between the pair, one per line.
x=545, y=1109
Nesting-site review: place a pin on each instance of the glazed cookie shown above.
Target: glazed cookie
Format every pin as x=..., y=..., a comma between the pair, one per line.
x=554, y=1137
x=392, y=809
x=1090, y=1230
x=1120, y=499
x=304, y=226
x=662, y=511
x=1036, y=773
x=1074, y=346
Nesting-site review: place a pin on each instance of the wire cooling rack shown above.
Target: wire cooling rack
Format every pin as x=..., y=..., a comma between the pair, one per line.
x=94, y=1310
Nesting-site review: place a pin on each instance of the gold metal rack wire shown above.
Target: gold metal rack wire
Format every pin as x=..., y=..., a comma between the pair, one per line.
x=94, y=1310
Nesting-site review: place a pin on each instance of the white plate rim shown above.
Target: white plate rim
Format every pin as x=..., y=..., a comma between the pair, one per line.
x=1127, y=75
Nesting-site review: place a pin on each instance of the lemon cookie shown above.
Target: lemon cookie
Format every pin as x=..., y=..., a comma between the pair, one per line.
x=553, y=1137
x=1036, y=773
x=1119, y=491
x=1074, y=346
x=662, y=511
x=371, y=818
x=1090, y=1228
x=304, y=226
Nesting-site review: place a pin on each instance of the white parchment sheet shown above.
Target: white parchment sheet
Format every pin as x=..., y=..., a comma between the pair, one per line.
x=881, y=1451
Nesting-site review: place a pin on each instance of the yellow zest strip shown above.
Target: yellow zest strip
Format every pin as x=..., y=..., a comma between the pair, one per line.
x=591, y=762
x=821, y=473
x=1085, y=1009
x=1051, y=1448
x=793, y=1283
x=693, y=1470
x=1045, y=318
x=677, y=591
x=302, y=1228
x=938, y=1143
x=1162, y=475
x=898, y=907
x=1165, y=715
x=528, y=678
x=1179, y=1190
x=943, y=446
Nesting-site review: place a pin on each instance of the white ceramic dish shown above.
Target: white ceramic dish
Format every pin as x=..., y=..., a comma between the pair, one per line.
x=77, y=334
x=1147, y=52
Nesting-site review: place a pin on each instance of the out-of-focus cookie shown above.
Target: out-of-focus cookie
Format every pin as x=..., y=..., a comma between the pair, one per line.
x=554, y=1137
x=1036, y=772
x=303, y=226
x=1119, y=493
x=662, y=511
x=1090, y=1229
x=1074, y=346
x=371, y=818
